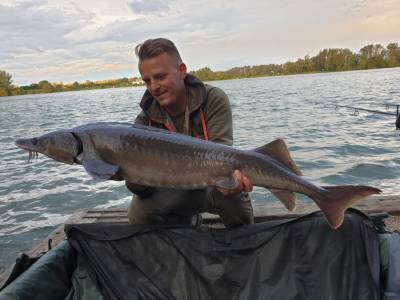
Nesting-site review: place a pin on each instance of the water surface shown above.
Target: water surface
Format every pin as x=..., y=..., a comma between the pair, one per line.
x=330, y=146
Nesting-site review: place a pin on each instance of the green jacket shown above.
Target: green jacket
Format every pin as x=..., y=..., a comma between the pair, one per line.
x=214, y=104
x=211, y=100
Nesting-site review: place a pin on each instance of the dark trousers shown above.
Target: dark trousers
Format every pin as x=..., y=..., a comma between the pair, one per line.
x=170, y=206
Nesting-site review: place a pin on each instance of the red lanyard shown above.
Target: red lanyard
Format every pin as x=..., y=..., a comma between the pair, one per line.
x=203, y=125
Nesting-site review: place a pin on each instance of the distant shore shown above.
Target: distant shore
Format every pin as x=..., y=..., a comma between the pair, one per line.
x=194, y=73
x=328, y=60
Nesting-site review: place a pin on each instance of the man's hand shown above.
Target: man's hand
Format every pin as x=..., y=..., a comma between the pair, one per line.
x=244, y=185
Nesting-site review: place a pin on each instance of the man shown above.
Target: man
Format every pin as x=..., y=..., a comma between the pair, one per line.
x=179, y=102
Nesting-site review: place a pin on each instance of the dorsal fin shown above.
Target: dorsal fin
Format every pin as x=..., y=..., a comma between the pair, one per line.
x=279, y=151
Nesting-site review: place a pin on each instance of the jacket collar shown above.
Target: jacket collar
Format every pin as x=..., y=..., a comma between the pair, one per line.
x=196, y=92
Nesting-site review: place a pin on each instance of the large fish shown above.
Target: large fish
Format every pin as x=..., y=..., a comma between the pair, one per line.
x=154, y=157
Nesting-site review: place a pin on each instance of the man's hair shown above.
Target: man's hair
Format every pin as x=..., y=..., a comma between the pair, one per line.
x=153, y=47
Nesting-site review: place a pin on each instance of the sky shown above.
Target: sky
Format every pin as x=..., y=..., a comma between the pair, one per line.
x=79, y=40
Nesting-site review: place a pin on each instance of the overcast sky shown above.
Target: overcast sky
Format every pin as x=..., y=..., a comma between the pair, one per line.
x=91, y=40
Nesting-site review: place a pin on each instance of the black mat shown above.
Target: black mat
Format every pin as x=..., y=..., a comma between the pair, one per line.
x=295, y=259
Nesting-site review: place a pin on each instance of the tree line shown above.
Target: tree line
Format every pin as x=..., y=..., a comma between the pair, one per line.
x=44, y=86
x=328, y=60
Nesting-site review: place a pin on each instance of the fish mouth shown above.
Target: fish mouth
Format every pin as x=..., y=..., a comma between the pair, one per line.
x=30, y=145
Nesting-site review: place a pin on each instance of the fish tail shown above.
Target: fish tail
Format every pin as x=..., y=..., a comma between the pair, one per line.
x=340, y=198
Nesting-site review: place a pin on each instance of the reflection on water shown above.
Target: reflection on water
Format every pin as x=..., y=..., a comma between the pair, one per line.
x=330, y=146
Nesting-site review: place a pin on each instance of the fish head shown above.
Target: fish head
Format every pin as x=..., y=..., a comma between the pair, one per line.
x=62, y=146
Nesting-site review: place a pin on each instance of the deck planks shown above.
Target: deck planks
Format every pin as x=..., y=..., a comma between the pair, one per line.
x=373, y=204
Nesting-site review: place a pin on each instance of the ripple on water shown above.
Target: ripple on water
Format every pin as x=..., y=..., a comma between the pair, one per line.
x=374, y=171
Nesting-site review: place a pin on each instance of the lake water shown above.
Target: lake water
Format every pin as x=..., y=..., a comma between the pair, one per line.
x=330, y=146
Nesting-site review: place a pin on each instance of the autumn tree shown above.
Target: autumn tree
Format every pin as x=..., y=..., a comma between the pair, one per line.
x=45, y=86
x=5, y=83
x=393, y=55
x=372, y=56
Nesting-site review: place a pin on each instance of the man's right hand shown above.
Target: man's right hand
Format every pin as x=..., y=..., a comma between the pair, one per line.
x=244, y=185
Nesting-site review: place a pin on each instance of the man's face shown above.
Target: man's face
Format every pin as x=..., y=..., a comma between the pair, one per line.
x=164, y=77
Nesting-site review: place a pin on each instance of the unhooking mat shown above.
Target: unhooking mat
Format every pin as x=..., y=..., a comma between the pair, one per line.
x=298, y=259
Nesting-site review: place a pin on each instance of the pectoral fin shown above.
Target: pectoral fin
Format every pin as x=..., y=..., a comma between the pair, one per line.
x=99, y=169
x=286, y=197
x=227, y=182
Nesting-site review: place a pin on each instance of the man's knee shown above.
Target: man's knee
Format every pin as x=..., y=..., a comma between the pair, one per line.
x=142, y=211
x=235, y=210
x=165, y=206
x=135, y=211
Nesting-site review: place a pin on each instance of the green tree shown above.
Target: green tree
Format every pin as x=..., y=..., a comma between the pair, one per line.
x=372, y=56
x=45, y=86
x=204, y=74
x=5, y=83
x=88, y=84
x=76, y=86
x=123, y=81
x=58, y=87
x=393, y=55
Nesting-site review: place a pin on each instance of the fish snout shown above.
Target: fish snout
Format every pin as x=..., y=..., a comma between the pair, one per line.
x=28, y=144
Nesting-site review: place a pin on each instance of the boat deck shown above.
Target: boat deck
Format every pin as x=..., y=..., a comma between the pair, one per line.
x=389, y=204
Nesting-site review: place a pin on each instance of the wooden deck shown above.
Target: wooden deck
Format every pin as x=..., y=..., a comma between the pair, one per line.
x=373, y=204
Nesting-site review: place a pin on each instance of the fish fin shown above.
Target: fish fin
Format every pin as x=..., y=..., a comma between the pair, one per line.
x=227, y=182
x=288, y=198
x=341, y=198
x=99, y=169
x=278, y=150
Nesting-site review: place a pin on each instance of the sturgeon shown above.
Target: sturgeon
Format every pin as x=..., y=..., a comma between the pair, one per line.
x=154, y=157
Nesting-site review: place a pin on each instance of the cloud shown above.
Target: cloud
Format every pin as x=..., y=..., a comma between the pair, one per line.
x=31, y=27
x=150, y=7
x=72, y=64
x=74, y=69
x=48, y=39
x=358, y=5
